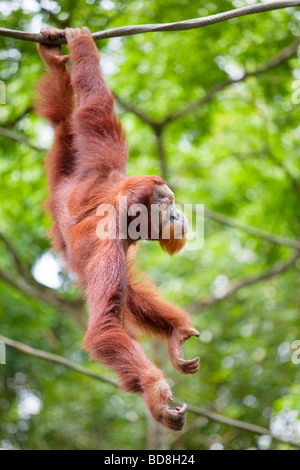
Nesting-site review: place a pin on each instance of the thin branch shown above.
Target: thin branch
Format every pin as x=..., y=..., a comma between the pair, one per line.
x=233, y=287
x=248, y=155
x=267, y=153
x=72, y=308
x=30, y=284
x=277, y=239
x=157, y=128
x=150, y=28
x=161, y=152
x=240, y=425
x=18, y=118
x=194, y=409
x=18, y=138
x=54, y=358
x=132, y=109
x=20, y=266
x=292, y=179
x=273, y=62
x=285, y=54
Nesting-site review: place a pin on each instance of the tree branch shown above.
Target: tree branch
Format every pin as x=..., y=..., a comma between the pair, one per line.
x=277, y=239
x=72, y=308
x=278, y=268
x=292, y=179
x=29, y=282
x=18, y=138
x=273, y=62
x=21, y=268
x=161, y=152
x=159, y=126
x=240, y=425
x=148, y=28
x=55, y=358
x=23, y=348
x=132, y=109
x=18, y=118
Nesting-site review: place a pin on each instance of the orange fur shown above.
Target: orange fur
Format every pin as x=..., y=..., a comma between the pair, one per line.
x=87, y=167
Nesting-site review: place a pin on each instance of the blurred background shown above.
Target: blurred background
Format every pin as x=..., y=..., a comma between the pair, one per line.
x=216, y=112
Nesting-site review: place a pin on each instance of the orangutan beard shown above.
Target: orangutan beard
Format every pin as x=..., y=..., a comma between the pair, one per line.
x=172, y=245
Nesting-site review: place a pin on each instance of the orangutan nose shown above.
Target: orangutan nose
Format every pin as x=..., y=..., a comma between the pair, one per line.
x=180, y=221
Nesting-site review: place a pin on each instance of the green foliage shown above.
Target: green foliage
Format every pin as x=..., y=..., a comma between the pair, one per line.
x=238, y=154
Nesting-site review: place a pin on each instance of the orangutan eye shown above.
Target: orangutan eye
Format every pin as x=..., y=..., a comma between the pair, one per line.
x=173, y=216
